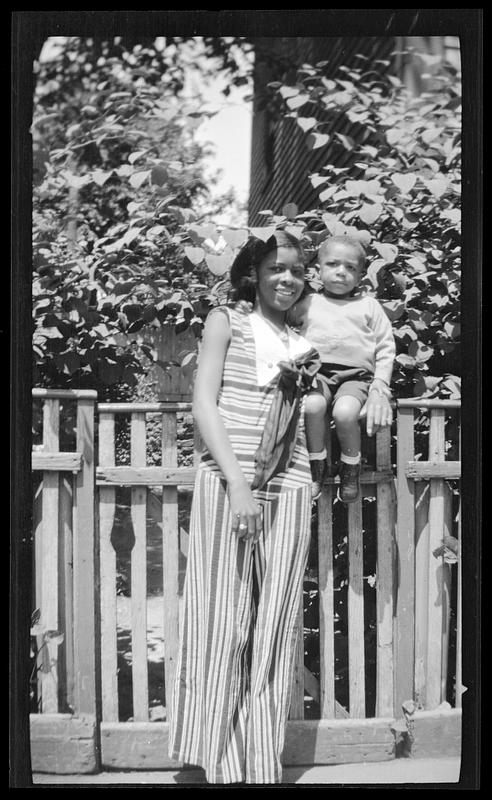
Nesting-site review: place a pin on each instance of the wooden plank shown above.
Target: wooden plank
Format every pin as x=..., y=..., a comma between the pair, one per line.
x=107, y=571
x=63, y=744
x=424, y=470
x=357, y=701
x=384, y=578
x=405, y=539
x=132, y=745
x=170, y=555
x=145, y=476
x=422, y=494
x=446, y=590
x=139, y=576
x=83, y=565
x=65, y=394
x=65, y=589
x=436, y=565
x=326, y=604
x=56, y=462
x=426, y=402
x=38, y=543
x=459, y=622
x=49, y=561
x=185, y=476
x=143, y=408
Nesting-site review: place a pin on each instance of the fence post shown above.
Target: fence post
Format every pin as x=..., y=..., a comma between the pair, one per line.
x=405, y=540
x=384, y=584
x=83, y=563
x=49, y=562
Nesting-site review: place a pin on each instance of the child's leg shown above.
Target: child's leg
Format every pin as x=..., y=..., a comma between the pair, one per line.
x=315, y=409
x=345, y=414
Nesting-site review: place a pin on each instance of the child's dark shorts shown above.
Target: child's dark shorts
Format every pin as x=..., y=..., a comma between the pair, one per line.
x=337, y=380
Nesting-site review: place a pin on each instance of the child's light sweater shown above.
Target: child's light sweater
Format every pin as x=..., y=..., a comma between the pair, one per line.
x=351, y=331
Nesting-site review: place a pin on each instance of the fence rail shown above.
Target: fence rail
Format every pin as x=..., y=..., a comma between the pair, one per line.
x=76, y=563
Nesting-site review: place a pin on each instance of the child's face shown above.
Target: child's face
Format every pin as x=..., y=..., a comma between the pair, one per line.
x=340, y=268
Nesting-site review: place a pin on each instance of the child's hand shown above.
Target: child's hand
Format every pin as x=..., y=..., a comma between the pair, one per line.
x=377, y=410
x=243, y=306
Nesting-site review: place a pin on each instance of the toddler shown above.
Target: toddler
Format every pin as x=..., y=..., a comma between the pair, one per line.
x=353, y=336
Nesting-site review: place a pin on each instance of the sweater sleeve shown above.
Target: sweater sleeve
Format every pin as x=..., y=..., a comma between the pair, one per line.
x=385, y=343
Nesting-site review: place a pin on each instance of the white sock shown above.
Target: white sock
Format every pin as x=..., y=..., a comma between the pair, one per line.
x=318, y=456
x=350, y=459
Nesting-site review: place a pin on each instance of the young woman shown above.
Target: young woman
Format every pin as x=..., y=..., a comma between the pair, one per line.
x=250, y=526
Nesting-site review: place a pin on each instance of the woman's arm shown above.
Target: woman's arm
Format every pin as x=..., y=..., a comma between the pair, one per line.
x=216, y=338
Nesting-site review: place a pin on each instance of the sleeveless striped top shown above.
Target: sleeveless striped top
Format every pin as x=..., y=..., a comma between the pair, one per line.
x=244, y=405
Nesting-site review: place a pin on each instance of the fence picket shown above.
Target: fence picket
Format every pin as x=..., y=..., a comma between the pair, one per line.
x=139, y=576
x=326, y=604
x=170, y=555
x=446, y=591
x=49, y=561
x=356, y=612
x=297, y=691
x=385, y=493
x=66, y=675
x=107, y=560
x=436, y=566
x=422, y=493
x=459, y=621
x=404, y=631
x=83, y=563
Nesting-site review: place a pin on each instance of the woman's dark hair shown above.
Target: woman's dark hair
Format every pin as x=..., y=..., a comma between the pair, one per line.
x=245, y=266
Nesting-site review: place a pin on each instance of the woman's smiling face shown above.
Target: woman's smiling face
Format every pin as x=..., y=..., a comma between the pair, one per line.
x=280, y=279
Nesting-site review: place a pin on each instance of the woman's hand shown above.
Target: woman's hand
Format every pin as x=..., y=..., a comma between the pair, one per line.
x=246, y=513
x=243, y=306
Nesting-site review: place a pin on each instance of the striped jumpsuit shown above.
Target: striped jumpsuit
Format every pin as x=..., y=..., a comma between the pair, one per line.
x=241, y=600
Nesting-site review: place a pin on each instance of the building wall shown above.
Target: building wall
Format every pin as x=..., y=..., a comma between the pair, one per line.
x=281, y=161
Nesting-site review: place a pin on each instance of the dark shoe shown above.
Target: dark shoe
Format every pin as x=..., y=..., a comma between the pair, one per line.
x=349, y=489
x=319, y=470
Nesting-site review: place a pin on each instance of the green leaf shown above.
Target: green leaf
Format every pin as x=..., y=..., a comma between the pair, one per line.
x=263, y=233
x=316, y=140
x=437, y=187
x=100, y=177
x=394, y=135
x=404, y=181
x=393, y=308
x=138, y=178
x=288, y=91
x=218, y=265
x=297, y=101
x=370, y=213
x=407, y=362
x=195, y=254
x=387, y=251
x=347, y=141
x=158, y=175
x=290, y=210
x=136, y=155
x=306, y=123
x=452, y=214
x=327, y=193
x=235, y=238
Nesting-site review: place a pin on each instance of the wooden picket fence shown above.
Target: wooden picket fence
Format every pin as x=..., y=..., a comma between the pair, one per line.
x=76, y=579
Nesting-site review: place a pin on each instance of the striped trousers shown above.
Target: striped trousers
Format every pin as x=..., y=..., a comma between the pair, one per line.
x=239, y=633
